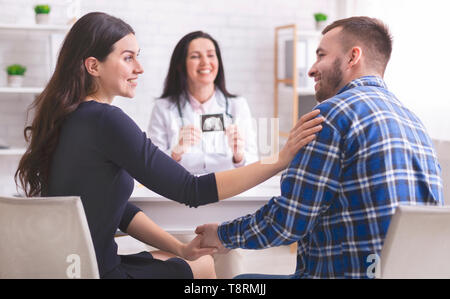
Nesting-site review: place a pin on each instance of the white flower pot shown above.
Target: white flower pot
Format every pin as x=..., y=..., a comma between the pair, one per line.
x=15, y=80
x=42, y=18
x=321, y=25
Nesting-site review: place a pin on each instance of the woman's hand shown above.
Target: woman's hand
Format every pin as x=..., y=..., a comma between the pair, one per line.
x=301, y=134
x=188, y=136
x=192, y=250
x=236, y=143
x=234, y=181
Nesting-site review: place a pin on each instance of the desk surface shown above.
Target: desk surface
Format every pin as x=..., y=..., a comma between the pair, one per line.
x=265, y=190
x=177, y=218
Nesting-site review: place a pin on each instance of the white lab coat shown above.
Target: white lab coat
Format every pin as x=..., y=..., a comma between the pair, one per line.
x=213, y=153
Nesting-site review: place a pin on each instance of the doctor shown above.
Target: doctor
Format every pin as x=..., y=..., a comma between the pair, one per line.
x=194, y=96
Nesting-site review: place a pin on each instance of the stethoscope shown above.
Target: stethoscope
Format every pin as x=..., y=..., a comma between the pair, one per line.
x=180, y=113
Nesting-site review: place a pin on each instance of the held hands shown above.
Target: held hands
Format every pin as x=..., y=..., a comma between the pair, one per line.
x=210, y=238
x=193, y=250
x=236, y=143
x=301, y=134
x=188, y=137
x=206, y=242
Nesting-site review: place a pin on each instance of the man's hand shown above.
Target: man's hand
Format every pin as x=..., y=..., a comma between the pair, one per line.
x=210, y=238
x=193, y=250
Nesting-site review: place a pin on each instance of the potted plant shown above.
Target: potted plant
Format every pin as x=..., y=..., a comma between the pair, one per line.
x=321, y=19
x=42, y=14
x=16, y=73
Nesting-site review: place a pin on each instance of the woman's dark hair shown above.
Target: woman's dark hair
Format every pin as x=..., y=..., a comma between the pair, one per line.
x=176, y=80
x=93, y=35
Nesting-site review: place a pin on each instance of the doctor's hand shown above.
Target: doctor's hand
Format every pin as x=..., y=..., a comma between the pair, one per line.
x=210, y=238
x=188, y=137
x=236, y=143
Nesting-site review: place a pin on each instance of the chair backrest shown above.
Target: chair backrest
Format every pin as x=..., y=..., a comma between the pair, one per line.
x=417, y=244
x=443, y=153
x=45, y=238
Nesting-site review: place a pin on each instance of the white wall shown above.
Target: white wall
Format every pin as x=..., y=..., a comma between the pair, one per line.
x=418, y=72
x=243, y=28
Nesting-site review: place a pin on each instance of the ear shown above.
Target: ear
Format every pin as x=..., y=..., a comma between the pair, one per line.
x=355, y=56
x=92, y=66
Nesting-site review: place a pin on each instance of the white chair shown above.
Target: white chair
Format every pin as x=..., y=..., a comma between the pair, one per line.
x=417, y=244
x=443, y=153
x=45, y=238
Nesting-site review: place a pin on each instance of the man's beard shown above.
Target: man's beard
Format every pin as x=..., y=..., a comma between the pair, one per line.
x=329, y=82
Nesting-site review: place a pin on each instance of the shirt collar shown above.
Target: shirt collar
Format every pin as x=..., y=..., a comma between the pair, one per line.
x=364, y=81
x=201, y=107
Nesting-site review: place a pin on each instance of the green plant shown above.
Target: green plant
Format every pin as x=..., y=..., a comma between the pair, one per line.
x=320, y=17
x=16, y=69
x=42, y=9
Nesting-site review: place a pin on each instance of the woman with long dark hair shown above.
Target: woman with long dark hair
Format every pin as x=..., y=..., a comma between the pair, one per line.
x=81, y=145
x=194, y=96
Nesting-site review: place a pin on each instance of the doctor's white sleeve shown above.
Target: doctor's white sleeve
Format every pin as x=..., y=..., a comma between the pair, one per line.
x=158, y=128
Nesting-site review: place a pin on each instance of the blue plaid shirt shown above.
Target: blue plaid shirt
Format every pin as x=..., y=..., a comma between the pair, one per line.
x=340, y=191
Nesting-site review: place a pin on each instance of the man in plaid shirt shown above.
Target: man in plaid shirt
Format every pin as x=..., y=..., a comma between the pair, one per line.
x=340, y=191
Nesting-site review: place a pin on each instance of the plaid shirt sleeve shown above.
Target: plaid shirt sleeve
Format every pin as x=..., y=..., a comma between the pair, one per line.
x=307, y=188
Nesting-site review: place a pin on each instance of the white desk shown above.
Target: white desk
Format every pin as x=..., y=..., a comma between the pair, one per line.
x=178, y=218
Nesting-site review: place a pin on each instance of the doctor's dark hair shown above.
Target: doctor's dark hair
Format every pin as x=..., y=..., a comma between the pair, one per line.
x=93, y=35
x=176, y=82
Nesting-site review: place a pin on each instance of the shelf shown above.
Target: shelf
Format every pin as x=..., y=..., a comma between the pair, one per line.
x=301, y=91
x=305, y=91
x=53, y=31
x=309, y=33
x=300, y=33
x=12, y=151
x=28, y=90
x=35, y=27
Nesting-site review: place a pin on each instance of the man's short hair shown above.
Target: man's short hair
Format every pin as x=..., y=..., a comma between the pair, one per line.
x=373, y=35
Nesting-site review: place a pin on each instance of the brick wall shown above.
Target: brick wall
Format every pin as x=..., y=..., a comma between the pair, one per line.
x=243, y=28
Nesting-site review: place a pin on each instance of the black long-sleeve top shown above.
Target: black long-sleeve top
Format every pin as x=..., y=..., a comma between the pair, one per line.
x=100, y=150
